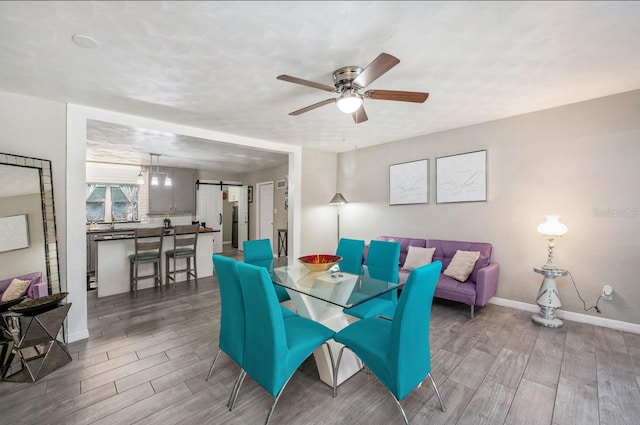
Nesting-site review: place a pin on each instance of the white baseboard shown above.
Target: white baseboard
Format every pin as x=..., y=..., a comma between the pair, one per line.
x=78, y=336
x=569, y=315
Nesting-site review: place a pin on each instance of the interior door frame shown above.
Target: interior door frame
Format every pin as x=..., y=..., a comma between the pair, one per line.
x=243, y=217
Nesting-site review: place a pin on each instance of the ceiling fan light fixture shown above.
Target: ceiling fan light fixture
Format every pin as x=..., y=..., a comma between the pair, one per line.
x=349, y=102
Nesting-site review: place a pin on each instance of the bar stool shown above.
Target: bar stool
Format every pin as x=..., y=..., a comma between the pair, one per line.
x=148, y=248
x=185, y=240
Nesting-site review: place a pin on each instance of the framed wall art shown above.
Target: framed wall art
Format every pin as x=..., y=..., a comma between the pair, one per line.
x=14, y=233
x=409, y=183
x=461, y=178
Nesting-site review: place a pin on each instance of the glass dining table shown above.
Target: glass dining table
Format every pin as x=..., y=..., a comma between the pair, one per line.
x=322, y=296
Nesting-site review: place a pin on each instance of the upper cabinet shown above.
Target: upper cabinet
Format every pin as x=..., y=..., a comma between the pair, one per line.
x=234, y=193
x=180, y=197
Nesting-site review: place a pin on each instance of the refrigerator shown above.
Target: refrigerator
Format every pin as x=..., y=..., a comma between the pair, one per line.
x=234, y=227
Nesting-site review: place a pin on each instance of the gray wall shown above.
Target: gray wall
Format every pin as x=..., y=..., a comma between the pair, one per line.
x=579, y=161
x=27, y=260
x=279, y=217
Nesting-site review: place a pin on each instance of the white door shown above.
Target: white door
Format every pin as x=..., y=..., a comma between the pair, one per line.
x=243, y=217
x=209, y=205
x=265, y=211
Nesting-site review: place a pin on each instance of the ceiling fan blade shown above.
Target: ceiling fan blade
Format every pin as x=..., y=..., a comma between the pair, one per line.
x=379, y=66
x=307, y=83
x=360, y=115
x=312, y=107
x=400, y=96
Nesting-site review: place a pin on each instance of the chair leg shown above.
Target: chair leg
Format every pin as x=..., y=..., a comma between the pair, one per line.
x=442, y=406
x=130, y=276
x=404, y=416
x=213, y=364
x=174, y=274
x=195, y=270
x=160, y=276
x=472, y=310
x=236, y=390
x=335, y=371
x=273, y=407
x=135, y=281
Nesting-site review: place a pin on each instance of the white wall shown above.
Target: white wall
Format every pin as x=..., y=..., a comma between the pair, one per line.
x=580, y=161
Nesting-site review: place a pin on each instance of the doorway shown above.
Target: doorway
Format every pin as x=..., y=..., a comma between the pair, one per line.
x=264, y=207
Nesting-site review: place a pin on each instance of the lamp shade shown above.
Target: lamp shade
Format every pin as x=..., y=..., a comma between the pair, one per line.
x=140, y=178
x=552, y=227
x=349, y=102
x=338, y=199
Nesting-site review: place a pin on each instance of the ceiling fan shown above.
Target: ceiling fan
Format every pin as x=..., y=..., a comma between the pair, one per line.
x=349, y=80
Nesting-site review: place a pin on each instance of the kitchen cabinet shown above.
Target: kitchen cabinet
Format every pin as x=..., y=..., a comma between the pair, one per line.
x=234, y=193
x=180, y=197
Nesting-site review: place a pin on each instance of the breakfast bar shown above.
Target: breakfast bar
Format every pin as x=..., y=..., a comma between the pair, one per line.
x=112, y=268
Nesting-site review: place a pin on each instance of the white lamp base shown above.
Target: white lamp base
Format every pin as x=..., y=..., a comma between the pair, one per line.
x=548, y=299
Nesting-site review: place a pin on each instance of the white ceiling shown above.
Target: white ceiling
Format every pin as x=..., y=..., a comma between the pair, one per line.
x=213, y=65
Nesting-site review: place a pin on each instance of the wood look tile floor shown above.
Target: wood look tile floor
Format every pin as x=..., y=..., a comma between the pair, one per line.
x=147, y=358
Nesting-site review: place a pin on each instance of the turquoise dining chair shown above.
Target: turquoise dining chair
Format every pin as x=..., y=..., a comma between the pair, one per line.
x=351, y=252
x=232, y=317
x=257, y=251
x=232, y=327
x=382, y=262
x=275, y=346
x=397, y=351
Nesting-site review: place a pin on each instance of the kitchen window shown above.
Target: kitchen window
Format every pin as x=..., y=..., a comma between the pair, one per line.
x=111, y=202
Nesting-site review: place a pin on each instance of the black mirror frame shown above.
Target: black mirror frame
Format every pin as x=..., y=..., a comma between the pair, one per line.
x=48, y=213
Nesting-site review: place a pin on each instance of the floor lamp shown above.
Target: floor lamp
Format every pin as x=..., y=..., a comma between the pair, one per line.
x=338, y=200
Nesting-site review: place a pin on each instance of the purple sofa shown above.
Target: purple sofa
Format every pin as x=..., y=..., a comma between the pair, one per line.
x=481, y=285
x=37, y=289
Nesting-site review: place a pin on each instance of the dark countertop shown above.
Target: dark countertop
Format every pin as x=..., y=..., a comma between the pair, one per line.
x=118, y=234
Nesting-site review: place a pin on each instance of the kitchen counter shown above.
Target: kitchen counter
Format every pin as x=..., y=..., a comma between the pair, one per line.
x=114, y=248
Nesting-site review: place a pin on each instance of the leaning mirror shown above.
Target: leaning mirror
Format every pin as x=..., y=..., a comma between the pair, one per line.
x=28, y=240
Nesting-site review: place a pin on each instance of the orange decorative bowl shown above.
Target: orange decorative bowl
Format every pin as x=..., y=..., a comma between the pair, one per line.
x=319, y=262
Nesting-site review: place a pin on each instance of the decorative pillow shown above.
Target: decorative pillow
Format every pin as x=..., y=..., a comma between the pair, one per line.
x=418, y=256
x=461, y=265
x=16, y=289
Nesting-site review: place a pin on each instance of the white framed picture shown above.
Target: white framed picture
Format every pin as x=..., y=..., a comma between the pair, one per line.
x=461, y=178
x=409, y=183
x=14, y=233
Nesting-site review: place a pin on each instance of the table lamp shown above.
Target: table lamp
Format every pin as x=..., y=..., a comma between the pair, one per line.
x=551, y=229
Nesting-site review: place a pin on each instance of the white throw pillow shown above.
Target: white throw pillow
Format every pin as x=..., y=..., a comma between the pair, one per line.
x=418, y=256
x=461, y=265
x=16, y=289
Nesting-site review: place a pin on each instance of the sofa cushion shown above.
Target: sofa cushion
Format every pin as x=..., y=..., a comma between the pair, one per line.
x=405, y=243
x=462, y=265
x=445, y=250
x=16, y=289
x=418, y=256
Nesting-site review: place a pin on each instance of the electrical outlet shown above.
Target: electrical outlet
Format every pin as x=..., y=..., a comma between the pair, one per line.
x=607, y=292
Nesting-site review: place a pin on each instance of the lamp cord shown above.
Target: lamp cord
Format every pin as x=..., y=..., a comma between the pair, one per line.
x=582, y=299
